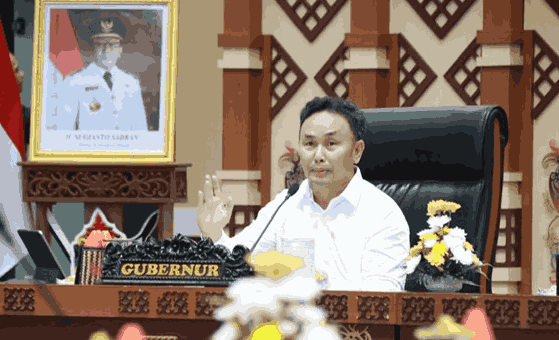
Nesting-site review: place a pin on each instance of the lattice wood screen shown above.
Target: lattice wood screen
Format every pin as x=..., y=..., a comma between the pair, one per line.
x=441, y=15
x=546, y=75
x=415, y=75
x=287, y=77
x=465, y=77
x=311, y=16
x=242, y=217
x=508, y=242
x=332, y=77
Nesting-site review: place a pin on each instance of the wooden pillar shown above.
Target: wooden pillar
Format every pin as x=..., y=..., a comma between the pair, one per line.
x=373, y=55
x=246, y=126
x=506, y=80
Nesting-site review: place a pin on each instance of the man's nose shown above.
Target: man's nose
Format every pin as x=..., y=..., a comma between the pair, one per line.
x=319, y=154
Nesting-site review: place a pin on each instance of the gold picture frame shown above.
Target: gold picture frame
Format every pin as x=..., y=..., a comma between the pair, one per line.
x=80, y=116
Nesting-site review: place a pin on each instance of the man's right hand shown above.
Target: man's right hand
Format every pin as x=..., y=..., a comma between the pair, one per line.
x=214, y=209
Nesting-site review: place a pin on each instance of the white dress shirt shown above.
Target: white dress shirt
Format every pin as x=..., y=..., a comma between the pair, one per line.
x=360, y=241
x=88, y=100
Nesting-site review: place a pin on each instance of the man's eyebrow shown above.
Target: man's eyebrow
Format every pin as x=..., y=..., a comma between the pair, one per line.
x=328, y=134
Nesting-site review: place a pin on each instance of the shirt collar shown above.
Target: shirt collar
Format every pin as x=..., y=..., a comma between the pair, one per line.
x=102, y=71
x=351, y=193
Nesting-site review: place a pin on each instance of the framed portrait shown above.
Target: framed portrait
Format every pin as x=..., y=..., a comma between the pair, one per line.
x=104, y=81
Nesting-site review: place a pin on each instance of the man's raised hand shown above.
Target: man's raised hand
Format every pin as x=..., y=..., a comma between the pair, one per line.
x=214, y=209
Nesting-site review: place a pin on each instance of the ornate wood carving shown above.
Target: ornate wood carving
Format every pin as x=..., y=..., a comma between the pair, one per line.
x=418, y=310
x=441, y=16
x=19, y=300
x=457, y=307
x=162, y=337
x=172, y=303
x=242, y=217
x=415, y=75
x=546, y=75
x=543, y=313
x=335, y=305
x=287, y=77
x=104, y=183
x=133, y=302
x=503, y=313
x=355, y=332
x=332, y=77
x=204, y=305
x=374, y=308
x=465, y=77
x=511, y=234
x=311, y=16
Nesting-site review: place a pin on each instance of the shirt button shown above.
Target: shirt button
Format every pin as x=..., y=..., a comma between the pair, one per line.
x=116, y=127
x=113, y=97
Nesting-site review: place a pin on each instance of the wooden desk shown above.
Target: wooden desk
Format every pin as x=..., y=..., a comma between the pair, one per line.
x=74, y=312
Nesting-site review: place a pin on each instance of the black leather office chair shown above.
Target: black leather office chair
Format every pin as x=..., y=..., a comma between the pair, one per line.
x=416, y=155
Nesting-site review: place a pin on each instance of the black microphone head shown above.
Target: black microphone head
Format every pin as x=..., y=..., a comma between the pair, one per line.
x=292, y=189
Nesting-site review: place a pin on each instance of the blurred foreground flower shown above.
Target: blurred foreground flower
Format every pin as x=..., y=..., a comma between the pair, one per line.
x=278, y=303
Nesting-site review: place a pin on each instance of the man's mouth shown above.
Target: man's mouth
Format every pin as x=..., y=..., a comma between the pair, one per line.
x=321, y=171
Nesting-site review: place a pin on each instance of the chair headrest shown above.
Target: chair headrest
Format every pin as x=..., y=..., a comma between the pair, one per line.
x=443, y=143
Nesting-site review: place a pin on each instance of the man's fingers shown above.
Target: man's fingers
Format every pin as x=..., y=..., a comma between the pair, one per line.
x=200, y=200
x=208, y=191
x=217, y=187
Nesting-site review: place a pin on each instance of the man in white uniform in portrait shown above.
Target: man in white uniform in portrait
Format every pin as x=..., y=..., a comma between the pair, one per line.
x=102, y=96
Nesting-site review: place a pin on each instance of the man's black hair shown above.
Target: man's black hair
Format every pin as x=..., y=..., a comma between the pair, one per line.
x=346, y=108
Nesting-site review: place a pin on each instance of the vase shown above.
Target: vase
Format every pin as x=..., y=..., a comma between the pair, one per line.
x=443, y=284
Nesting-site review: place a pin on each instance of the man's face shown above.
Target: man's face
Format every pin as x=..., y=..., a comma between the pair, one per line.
x=328, y=149
x=108, y=54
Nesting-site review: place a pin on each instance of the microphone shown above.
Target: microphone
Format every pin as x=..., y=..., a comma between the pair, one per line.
x=292, y=190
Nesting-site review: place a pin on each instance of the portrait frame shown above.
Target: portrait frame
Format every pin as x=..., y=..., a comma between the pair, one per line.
x=80, y=118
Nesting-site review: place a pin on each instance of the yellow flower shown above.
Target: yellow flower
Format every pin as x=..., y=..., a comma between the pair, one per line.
x=475, y=259
x=274, y=264
x=267, y=331
x=468, y=246
x=441, y=206
x=437, y=255
x=429, y=236
x=416, y=250
x=446, y=230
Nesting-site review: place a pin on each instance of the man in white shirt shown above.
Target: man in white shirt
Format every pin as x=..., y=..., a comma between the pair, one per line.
x=345, y=228
x=102, y=96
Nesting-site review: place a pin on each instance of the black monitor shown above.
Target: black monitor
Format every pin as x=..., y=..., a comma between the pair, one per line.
x=48, y=269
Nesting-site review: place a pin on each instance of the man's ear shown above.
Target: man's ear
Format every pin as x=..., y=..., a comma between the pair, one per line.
x=357, y=151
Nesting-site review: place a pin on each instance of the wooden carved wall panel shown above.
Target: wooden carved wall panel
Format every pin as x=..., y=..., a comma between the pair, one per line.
x=415, y=75
x=332, y=77
x=287, y=77
x=19, y=300
x=181, y=185
x=503, y=313
x=554, y=4
x=162, y=337
x=543, y=313
x=509, y=233
x=374, y=308
x=441, y=15
x=133, y=302
x=464, y=76
x=311, y=16
x=546, y=75
x=418, y=310
x=172, y=303
x=242, y=217
x=204, y=305
x=457, y=307
x=335, y=305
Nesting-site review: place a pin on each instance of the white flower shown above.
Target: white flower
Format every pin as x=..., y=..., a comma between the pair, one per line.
x=412, y=263
x=296, y=286
x=308, y=315
x=462, y=255
x=458, y=233
x=227, y=331
x=454, y=242
x=429, y=243
x=426, y=231
x=252, y=297
x=438, y=221
x=288, y=328
x=320, y=332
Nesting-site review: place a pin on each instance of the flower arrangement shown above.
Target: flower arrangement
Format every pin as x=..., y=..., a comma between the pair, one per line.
x=278, y=303
x=448, y=257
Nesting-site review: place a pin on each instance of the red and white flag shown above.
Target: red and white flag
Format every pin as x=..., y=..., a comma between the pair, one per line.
x=14, y=213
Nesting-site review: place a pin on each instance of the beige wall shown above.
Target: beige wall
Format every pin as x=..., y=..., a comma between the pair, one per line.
x=199, y=92
x=539, y=17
